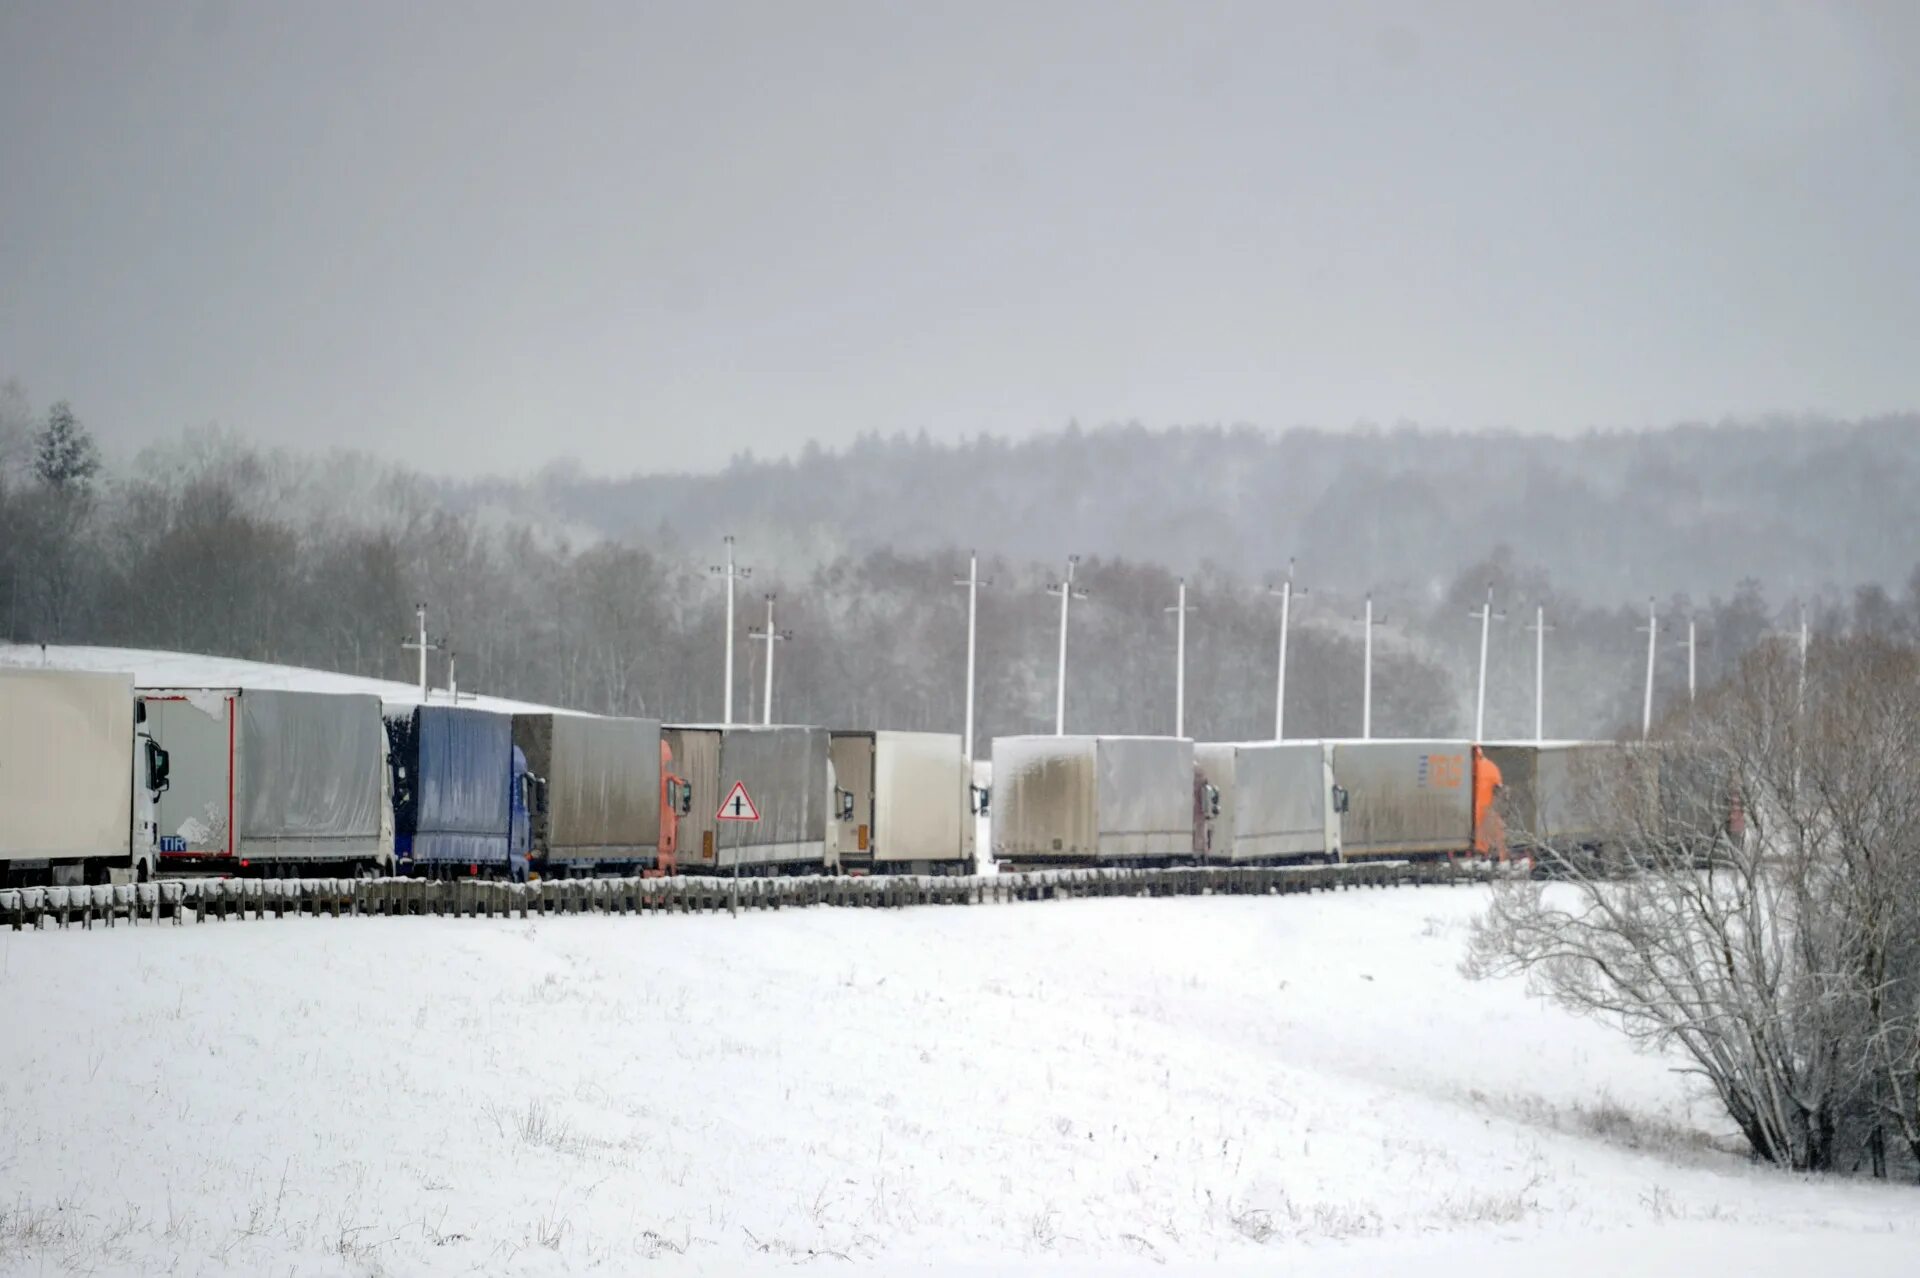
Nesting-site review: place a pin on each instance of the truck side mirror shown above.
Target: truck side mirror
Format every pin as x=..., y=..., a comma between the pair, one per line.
x=982, y=799
x=1340, y=799
x=540, y=794
x=1213, y=800
x=843, y=803
x=159, y=766
x=686, y=797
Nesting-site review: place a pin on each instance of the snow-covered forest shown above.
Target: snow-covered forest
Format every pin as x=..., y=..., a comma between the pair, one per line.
x=207, y=544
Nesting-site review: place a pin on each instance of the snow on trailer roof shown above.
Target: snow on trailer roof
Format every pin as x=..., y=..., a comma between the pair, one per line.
x=1551, y=743
x=1090, y=736
x=156, y=669
x=1259, y=743
x=892, y=732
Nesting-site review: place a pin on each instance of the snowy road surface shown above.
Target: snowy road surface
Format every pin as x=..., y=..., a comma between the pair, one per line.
x=1273, y=1085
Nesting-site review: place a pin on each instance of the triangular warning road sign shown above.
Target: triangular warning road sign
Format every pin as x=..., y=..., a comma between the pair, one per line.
x=737, y=806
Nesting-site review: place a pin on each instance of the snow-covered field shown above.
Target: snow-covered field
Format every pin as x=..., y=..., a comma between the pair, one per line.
x=154, y=668
x=1284, y=1084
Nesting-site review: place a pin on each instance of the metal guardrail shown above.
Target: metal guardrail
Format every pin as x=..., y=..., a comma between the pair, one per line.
x=218, y=900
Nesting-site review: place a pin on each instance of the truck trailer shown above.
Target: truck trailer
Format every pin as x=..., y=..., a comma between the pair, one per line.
x=77, y=778
x=1092, y=799
x=460, y=792
x=904, y=803
x=1273, y=801
x=1405, y=799
x=1552, y=793
x=762, y=798
x=596, y=789
x=267, y=781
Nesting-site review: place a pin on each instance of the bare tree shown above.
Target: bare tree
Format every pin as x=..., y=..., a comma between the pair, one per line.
x=1861, y=779
x=1755, y=910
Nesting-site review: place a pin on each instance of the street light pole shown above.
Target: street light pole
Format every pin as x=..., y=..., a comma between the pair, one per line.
x=453, y=679
x=1646, y=709
x=1068, y=594
x=973, y=583
x=1285, y=591
x=733, y=574
x=1180, y=662
x=1480, y=698
x=1804, y=636
x=422, y=646
x=771, y=636
x=1539, y=628
x=1692, y=664
x=1366, y=687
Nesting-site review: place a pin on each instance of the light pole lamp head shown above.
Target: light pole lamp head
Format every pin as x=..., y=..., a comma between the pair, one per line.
x=974, y=578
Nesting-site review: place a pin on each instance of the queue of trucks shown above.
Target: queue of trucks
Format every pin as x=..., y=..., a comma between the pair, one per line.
x=101, y=780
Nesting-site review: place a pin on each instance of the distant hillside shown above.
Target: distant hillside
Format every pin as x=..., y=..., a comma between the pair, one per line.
x=595, y=594
x=1611, y=516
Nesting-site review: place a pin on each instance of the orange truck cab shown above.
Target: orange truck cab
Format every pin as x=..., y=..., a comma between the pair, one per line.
x=1489, y=837
x=676, y=800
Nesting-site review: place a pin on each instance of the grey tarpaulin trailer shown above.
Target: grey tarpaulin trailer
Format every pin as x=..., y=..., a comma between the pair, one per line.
x=1405, y=798
x=783, y=770
x=1277, y=801
x=1088, y=798
x=598, y=788
x=268, y=778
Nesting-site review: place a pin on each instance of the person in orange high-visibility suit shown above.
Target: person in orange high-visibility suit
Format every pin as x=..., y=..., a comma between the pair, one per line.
x=1489, y=832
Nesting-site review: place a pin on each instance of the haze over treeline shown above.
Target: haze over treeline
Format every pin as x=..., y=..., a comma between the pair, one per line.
x=597, y=594
x=1804, y=503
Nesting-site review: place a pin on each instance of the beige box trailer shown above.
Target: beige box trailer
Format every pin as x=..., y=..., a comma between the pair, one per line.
x=1277, y=801
x=67, y=767
x=904, y=802
x=1093, y=799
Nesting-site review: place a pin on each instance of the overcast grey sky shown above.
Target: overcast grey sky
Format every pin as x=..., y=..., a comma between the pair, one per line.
x=477, y=237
